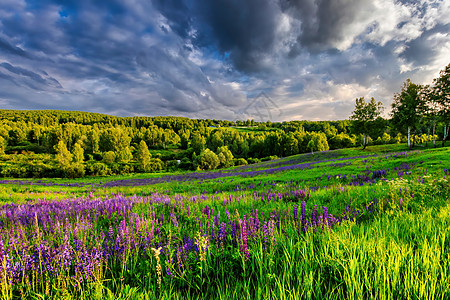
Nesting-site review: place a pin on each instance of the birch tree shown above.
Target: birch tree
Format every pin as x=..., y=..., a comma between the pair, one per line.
x=441, y=96
x=364, y=115
x=406, y=109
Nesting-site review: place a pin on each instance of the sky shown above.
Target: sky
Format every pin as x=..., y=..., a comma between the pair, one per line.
x=276, y=60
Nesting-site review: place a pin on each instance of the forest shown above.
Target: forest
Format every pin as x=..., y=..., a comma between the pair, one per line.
x=50, y=143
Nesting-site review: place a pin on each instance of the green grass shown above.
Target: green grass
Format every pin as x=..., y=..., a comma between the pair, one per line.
x=396, y=246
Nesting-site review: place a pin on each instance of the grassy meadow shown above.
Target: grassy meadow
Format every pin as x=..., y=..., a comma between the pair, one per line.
x=342, y=224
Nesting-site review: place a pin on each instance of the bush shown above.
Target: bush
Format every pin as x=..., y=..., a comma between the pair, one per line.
x=172, y=165
x=186, y=164
x=75, y=171
x=271, y=157
x=98, y=169
x=253, y=160
x=15, y=171
x=240, y=162
x=109, y=157
x=207, y=160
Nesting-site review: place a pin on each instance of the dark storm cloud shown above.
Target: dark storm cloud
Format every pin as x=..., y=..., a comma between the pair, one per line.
x=249, y=31
x=177, y=13
x=323, y=21
x=244, y=30
x=421, y=51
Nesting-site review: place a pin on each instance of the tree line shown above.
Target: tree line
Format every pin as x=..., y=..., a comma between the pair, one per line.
x=416, y=109
x=50, y=143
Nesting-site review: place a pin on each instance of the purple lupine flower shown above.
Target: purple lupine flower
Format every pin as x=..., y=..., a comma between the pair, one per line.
x=222, y=231
x=234, y=233
x=401, y=203
x=173, y=218
x=295, y=212
x=271, y=229
x=228, y=214
x=2, y=249
x=179, y=255
x=325, y=217
x=303, y=221
x=314, y=216
x=217, y=219
x=266, y=235
x=168, y=272
x=243, y=249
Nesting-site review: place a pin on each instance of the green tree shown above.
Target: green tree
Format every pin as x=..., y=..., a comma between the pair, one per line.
x=106, y=141
x=290, y=144
x=109, y=157
x=430, y=110
x=16, y=136
x=257, y=146
x=273, y=144
x=216, y=139
x=406, y=109
x=364, y=115
x=207, y=160
x=184, y=138
x=317, y=141
x=124, y=154
x=143, y=156
x=2, y=145
x=63, y=156
x=440, y=95
x=225, y=157
x=78, y=153
x=50, y=139
x=37, y=133
x=311, y=145
x=198, y=142
x=386, y=138
x=321, y=142
x=76, y=169
x=93, y=137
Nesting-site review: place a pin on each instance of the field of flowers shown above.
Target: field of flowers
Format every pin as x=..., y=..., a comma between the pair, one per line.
x=333, y=225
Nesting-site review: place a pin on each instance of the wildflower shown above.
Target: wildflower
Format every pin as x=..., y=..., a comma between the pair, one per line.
x=271, y=231
x=222, y=234
x=202, y=243
x=174, y=219
x=314, y=216
x=179, y=257
x=295, y=212
x=157, y=252
x=169, y=273
x=244, y=249
x=304, y=226
x=325, y=218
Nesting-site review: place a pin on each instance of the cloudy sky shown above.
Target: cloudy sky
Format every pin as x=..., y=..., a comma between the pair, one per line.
x=221, y=59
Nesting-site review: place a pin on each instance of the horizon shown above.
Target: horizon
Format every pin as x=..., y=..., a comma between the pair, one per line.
x=169, y=116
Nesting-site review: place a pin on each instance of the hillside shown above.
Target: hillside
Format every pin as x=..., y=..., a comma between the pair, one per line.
x=38, y=144
x=325, y=224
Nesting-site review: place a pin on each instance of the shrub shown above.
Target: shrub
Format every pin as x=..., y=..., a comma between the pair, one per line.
x=240, y=162
x=109, y=157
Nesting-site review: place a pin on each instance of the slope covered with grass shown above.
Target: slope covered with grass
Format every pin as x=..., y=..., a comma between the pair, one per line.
x=339, y=224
